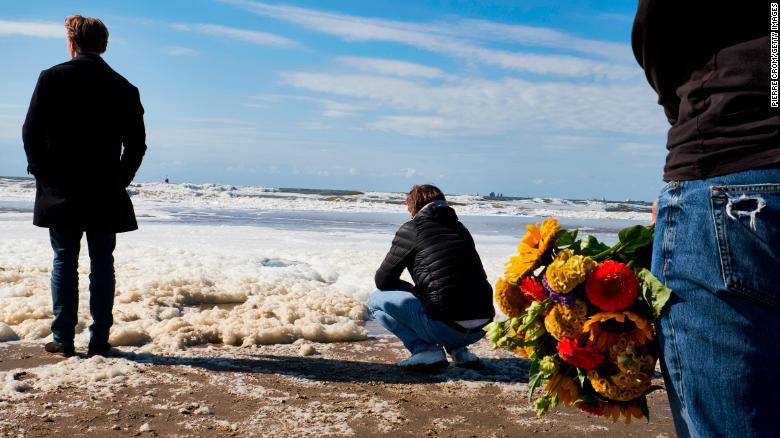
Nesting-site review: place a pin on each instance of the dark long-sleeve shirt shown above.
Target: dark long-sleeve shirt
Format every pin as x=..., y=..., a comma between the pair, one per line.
x=709, y=63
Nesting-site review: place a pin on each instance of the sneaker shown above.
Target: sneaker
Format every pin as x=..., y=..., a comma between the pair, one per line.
x=425, y=360
x=55, y=347
x=100, y=350
x=463, y=358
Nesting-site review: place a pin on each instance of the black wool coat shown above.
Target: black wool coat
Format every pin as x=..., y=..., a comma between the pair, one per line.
x=84, y=137
x=440, y=255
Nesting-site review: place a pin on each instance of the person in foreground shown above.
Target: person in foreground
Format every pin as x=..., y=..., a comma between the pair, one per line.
x=451, y=299
x=717, y=235
x=81, y=115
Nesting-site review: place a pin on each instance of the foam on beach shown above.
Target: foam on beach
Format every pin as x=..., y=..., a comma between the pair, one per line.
x=175, y=293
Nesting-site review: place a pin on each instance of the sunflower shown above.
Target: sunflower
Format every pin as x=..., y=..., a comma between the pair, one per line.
x=627, y=410
x=620, y=386
x=581, y=356
x=568, y=270
x=612, y=286
x=532, y=246
x=566, y=322
x=632, y=359
x=595, y=408
x=605, y=329
x=509, y=298
x=564, y=387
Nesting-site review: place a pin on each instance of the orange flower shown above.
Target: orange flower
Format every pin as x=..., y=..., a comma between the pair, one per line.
x=606, y=328
x=532, y=246
x=564, y=387
x=628, y=411
x=612, y=286
x=509, y=299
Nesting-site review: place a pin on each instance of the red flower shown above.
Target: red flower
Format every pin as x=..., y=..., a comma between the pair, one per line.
x=596, y=409
x=612, y=286
x=532, y=290
x=586, y=357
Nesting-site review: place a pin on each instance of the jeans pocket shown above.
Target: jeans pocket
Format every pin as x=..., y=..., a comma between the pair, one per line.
x=747, y=227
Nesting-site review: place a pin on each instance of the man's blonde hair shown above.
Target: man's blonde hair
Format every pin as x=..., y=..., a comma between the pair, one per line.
x=89, y=34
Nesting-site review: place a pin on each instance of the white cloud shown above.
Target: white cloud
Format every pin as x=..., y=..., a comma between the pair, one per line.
x=330, y=108
x=447, y=39
x=181, y=51
x=392, y=67
x=37, y=29
x=407, y=172
x=417, y=126
x=642, y=150
x=540, y=37
x=216, y=121
x=352, y=171
x=340, y=109
x=313, y=126
x=483, y=107
x=11, y=129
x=249, y=36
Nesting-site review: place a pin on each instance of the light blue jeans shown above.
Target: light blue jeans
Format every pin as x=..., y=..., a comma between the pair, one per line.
x=717, y=246
x=404, y=315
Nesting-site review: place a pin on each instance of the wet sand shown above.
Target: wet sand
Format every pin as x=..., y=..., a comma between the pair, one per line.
x=343, y=389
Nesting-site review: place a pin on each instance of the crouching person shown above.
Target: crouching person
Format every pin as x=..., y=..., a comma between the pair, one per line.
x=451, y=299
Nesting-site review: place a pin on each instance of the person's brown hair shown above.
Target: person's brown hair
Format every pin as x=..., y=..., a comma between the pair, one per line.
x=89, y=34
x=421, y=195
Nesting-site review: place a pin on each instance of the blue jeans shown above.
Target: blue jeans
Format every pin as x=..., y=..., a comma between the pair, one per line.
x=66, y=244
x=403, y=314
x=717, y=246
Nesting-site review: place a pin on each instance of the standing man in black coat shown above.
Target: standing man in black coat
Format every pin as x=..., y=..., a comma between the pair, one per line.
x=84, y=137
x=450, y=300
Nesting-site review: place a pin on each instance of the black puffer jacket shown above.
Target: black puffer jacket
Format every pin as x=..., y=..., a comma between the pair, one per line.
x=440, y=255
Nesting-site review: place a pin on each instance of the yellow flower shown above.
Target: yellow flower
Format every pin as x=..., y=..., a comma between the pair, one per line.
x=566, y=322
x=620, y=386
x=524, y=352
x=632, y=359
x=628, y=411
x=532, y=246
x=568, y=270
x=633, y=326
x=510, y=298
x=565, y=388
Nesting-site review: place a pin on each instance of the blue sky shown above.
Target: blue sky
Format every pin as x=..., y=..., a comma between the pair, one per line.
x=530, y=98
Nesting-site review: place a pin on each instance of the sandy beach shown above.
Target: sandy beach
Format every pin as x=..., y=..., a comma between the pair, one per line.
x=237, y=320
x=300, y=389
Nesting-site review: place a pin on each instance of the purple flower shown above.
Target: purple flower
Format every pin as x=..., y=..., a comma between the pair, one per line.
x=565, y=299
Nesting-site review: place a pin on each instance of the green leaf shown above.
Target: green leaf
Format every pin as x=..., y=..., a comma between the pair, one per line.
x=589, y=246
x=581, y=377
x=653, y=388
x=565, y=238
x=635, y=246
x=653, y=291
x=644, y=408
x=636, y=234
x=535, y=379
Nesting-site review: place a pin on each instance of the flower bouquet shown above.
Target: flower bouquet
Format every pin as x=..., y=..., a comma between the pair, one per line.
x=583, y=313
